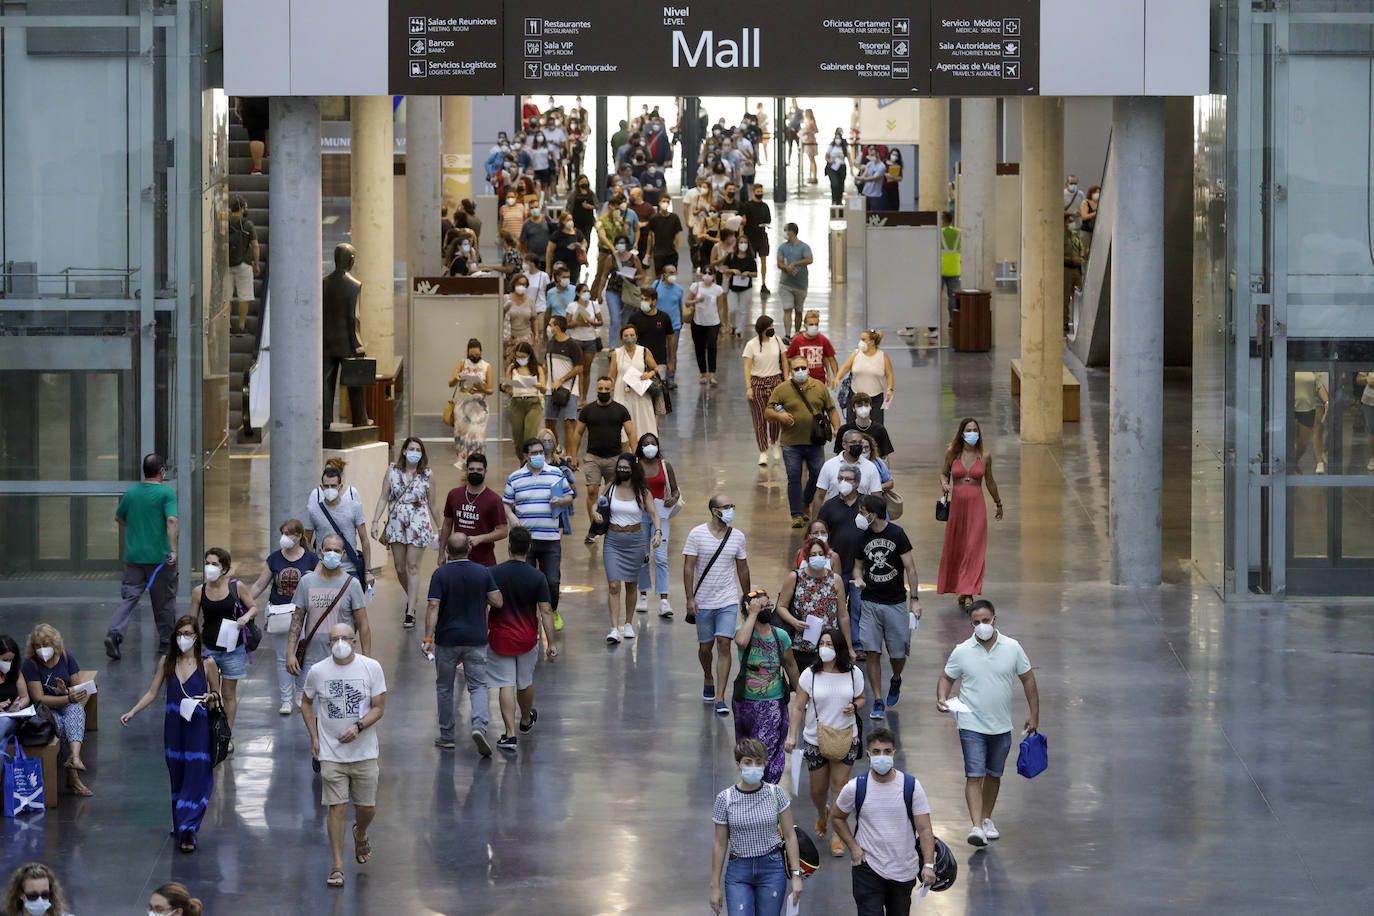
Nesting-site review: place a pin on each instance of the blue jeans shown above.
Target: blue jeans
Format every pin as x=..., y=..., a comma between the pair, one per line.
x=756, y=886
x=793, y=458
x=660, y=559
x=612, y=319
x=855, y=612
x=547, y=557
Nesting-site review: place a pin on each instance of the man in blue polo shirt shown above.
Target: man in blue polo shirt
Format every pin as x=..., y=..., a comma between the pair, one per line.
x=562, y=293
x=533, y=496
x=670, y=304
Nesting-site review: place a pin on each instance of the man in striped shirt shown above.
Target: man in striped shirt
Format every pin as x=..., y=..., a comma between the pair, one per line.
x=533, y=495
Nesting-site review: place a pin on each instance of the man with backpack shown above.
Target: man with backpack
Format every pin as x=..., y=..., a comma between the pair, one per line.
x=243, y=241
x=891, y=816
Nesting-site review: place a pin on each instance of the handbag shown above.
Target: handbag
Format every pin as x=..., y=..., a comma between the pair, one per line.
x=1034, y=755
x=220, y=732
x=834, y=743
x=279, y=619
x=894, y=504
x=942, y=509
x=303, y=645
x=561, y=396
x=252, y=633
x=23, y=781
x=37, y=730
x=450, y=407
x=822, y=430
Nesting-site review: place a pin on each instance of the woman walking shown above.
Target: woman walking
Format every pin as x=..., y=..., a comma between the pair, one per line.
x=622, y=284
x=740, y=267
x=186, y=739
x=661, y=480
x=753, y=825
x=767, y=673
x=813, y=589
x=584, y=317
x=221, y=610
x=520, y=315
x=50, y=672
x=808, y=142
x=967, y=466
x=763, y=361
x=628, y=507
x=285, y=568
x=525, y=385
x=704, y=303
x=632, y=363
x=830, y=693
x=474, y=383
x=405, y=516
x=872, y=374
x=33, y=888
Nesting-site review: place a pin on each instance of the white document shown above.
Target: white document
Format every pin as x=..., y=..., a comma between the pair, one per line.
x=88, y=686
x=628, y=271
x=914, y=621
x=18, y=713
x=919, y=894
x=639, y=384
x=793, y=907
x=228, y=637
x=956, y=706
x=797, y=766
x=524, y=381
x=188, y=708
x=814, y=625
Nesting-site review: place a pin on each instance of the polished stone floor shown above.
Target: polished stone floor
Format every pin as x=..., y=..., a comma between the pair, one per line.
x=1193, y=763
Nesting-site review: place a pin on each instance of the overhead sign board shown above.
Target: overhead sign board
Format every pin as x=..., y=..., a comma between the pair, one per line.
x=438, y=47
x=985, y=47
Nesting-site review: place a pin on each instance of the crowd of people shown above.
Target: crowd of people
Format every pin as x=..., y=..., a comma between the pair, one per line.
x=808, y=656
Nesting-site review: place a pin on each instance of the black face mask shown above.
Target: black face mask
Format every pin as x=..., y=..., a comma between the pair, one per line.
x=853, y=451
x=622, y=475
x=604, y=397
x=475, y=478
x=766, y=615
x=770, y=332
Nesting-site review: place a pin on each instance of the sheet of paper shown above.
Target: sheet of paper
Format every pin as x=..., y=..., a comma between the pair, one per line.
x=793, y=907
x=914, y=621
x=627, y=272
x=524, y=381
x=188, y=708
x=954, y=704
x=797, y=766
x=814, y=625
x=639, y=385
x=21, y=713
x=88, y=686
x=919, y=894
x=228, y=635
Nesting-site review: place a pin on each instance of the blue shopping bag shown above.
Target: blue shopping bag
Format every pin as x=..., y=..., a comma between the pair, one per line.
x=23, y=782
x=1034, y=756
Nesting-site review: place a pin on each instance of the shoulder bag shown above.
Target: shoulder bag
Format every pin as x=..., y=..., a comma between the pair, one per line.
x=252, y=633
x=672, y=488
x=304, y=644
x=834, y=743
x=220, y=732
x=450, y=407
x=822, y=430
x=690, y=617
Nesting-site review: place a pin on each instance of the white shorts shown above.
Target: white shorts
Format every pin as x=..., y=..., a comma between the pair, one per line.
x=242, y=275
x=512, y=670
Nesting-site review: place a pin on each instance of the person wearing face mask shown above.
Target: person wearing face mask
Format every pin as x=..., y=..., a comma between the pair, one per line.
x=629, y=510
x=147, y=513
x=286, y=566
x=525, y=383
x=836, y=168
x=172, y=899
x=513, y=213
x=34, y=890
x=819, y=530
x=632, y=370
x=562, y=292
x=602, y=424
x=704, y=306
x=825, y=713
x=883, y=566
x=539, y=282
x=851, y=456
x=564, y=364
x=654, y=329
x=767, y=675
x=643, y=211
x=519, y=313
x=343, y=738
x=708, y=234
x=473, y=382
x=951, y=258
x=794, y=257
x=871, y=374
x=713, y=556
x=798, y=405
x=567, y=251
x=663, y=229
x=534, y=239
x=870, y=454
x=1073, y=202
x=51, y=674
x=838, y=515
x=661, y=480
x=763, y=366
x=985, y=665
x=186, y=727
x=670, y=298
x=758, y=216
x=14, y=690
x=533, y=495
x=622, y=285
x=222, y=611
x=475, y=510
x=740, y=268
x=460, y=252
x=812, y=589
x=584, y=317
x=892, y=180
x=753, y=825
x=892, y=817
x=582, y=206
x=871, y=181
x=1087, y=217
x=861, y=408
x=405, y=515
x=542, y=159
x=329, y=511
x=967, y=467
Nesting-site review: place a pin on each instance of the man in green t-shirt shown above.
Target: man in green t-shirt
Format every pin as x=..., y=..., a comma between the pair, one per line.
x=148, y=514
x=795, y=404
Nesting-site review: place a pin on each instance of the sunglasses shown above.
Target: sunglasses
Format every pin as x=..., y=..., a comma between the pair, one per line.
x=35, y=895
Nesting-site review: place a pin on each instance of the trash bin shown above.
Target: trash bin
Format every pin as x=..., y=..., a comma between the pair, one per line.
x=973, y=321
x=839, y=242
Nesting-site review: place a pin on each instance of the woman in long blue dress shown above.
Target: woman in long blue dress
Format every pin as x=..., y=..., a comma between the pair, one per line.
x=189, y=676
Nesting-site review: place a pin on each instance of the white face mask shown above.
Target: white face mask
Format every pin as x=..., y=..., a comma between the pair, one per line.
x=46, y=653
x=818, y=562
x=799, y=375
x=212, y=572
x=331, y=494
x=645, y=307
x=37, y=907
x=813, y=330
x=331, y=559
x=5, y=667
x=651, y=451
x=584, y=297
x=861, y=522
x=670, y=279
x=846, y=488
x=286, y=542
x=184, y=643
x=522, y=360
x=341, y=648
x=562, y=282
x=862, y=412
x=826, y=653
x=984, y=631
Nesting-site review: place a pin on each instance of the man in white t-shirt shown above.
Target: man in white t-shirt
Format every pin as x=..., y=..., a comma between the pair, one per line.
x=712, y=559
x=887, y=829
x=351, y=692
x=851, y=456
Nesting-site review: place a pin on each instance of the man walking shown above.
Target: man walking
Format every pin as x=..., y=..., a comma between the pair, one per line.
x=148, y=513
x=712, y=558
x=796, y=404
x=351, y=693
x=881, y=567
x=533, y=496
x=839, y=515
x=244, y=259
x=456, y=634
x=951, y=254
x=324, y=597
x=891, y=815
x=601, y=424
x=986, y=662
x=850, y=457
x=794, y=256
x=513, y=631
x=474, y=509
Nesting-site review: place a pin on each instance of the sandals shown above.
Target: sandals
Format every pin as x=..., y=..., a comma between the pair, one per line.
x=335, y=879
x=73, y=764
x=409, y=622
x=965, y=601
x=362, y=849
x=188, y=842
x=76, y=787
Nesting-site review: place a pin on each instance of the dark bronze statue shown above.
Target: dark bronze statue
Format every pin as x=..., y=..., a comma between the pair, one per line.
x=341, y=334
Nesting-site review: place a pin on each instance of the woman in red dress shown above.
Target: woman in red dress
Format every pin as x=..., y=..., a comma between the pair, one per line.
x=967, y=466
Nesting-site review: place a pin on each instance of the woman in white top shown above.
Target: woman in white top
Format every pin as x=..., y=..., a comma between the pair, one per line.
x=829, y=695
x=584, y=317
x=630, y=363
x=472, y=381
x=631, y=509
x=1310, y=399
x=872, y=374
x=763, y=359
x=705, y=302
x=1366, y=378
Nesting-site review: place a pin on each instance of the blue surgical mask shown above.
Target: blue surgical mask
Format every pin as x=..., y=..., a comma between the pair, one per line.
x=37, y=907
x=413, y=457
x=331, y=559
x=752, y=776
x=799, y=375
x=971, y=438
x=818, y=562
x=880, y=763
x=727, y=515
x=536, y=462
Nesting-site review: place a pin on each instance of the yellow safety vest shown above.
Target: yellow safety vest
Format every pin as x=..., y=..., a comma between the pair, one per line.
x=951, y=245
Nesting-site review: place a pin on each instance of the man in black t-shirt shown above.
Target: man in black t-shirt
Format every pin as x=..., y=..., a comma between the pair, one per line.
x=652, y=326
x=881, y=567
x=664, y=230
x=602, y=424
x=758, y=216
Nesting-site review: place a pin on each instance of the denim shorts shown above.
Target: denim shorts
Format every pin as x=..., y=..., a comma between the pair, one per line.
x=713, y=622
x=984, y=755
x=232, y=664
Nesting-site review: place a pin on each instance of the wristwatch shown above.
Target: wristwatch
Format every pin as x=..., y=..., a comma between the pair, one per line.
x=929, y=865
x=360, y=725
x=797, y=873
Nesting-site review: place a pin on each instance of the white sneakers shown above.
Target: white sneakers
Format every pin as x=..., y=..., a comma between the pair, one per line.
x=665, y=608
x=990, y=829
x=775, y=452
x=643, y=603
x=976, y=837
x=628, y=631
x=613, y=636
x=763, y=459
x=285, y=708
x=1321, y=467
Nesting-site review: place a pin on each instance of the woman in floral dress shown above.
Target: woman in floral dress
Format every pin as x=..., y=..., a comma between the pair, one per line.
x=409, y=527
x=813, y=589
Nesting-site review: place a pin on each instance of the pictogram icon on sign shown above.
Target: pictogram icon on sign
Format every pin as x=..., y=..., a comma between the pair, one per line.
x=1011, y=27
x=417, y=25
x=534, y=48
x=901, y=70
x=901, y=48
x=1011, y=47
x=1011, y=69
x=901, y=27
x=534, y=27
x=531, y=69
x=417, y=46
x=417, y=68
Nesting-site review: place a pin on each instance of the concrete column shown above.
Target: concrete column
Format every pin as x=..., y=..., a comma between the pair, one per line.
x=1137, y=341
x=779, y=133
x=423, y=186
x=1042, y=270
x=373, y=220
x=296, y=373
x=975, y=210
x=457, y=149
x=933, y=173
x=691, y=141
x=600, y=139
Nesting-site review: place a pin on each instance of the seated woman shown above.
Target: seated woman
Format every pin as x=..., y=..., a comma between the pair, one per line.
x=51, y=672
x=14, y=691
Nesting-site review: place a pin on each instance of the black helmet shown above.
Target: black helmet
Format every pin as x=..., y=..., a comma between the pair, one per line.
x=806, y=852
x=946, y=868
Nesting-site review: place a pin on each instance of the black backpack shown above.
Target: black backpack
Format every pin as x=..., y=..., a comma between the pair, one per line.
x=240, y=241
